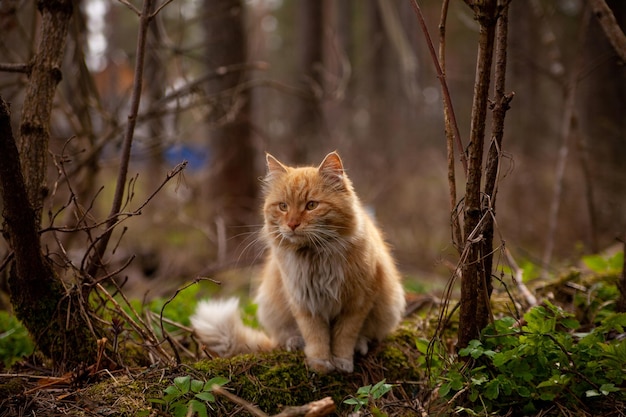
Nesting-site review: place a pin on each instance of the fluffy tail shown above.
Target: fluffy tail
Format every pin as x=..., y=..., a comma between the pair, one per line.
x=218, y=325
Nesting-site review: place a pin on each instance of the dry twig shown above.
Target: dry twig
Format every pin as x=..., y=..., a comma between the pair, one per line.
x=319, y=408
x=444, y=85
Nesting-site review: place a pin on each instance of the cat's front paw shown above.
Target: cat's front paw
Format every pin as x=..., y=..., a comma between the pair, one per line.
x=343, y=364
x=320, y=366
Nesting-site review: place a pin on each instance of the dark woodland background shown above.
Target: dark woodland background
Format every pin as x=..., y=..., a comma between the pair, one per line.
x=307, y=77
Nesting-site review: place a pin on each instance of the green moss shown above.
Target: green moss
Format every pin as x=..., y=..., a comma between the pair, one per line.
x=12, y=386
x=271, y=381
x=45, y=314
x=123, y=395
x=278, y=379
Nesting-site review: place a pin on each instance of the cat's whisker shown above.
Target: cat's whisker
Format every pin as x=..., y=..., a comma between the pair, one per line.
x=257, y=240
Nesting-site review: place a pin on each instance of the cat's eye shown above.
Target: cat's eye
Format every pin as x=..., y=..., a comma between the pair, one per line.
x=311, y=205
x=282, y=206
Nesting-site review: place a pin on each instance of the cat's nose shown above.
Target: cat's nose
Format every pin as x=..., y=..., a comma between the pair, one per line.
x=293, y=224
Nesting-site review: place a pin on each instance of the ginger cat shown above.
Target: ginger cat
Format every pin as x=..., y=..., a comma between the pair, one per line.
x=329, y=284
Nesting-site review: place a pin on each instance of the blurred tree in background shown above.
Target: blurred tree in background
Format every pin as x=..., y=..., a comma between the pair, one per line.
x=232, y=182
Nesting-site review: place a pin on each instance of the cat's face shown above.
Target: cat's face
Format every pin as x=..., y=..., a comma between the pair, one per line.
x=308, y=207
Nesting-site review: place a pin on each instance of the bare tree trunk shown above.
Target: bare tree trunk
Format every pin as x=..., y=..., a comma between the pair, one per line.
x=52, y=315
x=232, y=186
x=475, y=279
x=44, y=77
x=492, y=169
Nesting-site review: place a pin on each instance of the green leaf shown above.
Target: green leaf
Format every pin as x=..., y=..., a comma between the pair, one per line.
x=501, y=358
x=422, y=345
x=606, y=389
x=156, y=401
x=473, y=395
x=570, y=323
x=616, y=321
x=525, y=375
x=492, y=389
x=205, y=396
x=444, y=389
x=457, y=384
x=601, y=263
x=364, y=390
x=183, y=383
x=596, y=263
x=523, y=391
x=474, y=348
x=356, y=402
x=218, y=380
x=172, y=389
x=479, y=380
x=547, y=396
x=196, y=385
x=198, y=407
x=179, y=410
x=380, y=389
x=172, y=393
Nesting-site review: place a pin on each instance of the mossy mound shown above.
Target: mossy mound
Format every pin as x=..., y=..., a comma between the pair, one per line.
x=270, y=381
x=275, y=380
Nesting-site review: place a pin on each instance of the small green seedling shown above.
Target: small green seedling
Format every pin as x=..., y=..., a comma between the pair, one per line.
x=189, y=397
x=367, y=393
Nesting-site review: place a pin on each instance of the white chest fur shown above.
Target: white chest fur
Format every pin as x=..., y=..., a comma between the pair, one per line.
x=315, y=280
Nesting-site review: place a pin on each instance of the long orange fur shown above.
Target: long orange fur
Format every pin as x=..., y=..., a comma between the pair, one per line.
x=329, y=284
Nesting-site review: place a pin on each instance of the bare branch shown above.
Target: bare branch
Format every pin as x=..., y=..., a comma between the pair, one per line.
x=156, y=12
x=130, y=6
x=457, y=237
x=144, y=22
x=442, y=79
x=138, y=324
x=610, y=27
x=23, y=68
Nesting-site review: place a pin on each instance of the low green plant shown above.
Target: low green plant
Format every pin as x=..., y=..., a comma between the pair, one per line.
x=543, y=361
x=15, y=342
x=188, y=396
x=367, y=395
x=603, y=264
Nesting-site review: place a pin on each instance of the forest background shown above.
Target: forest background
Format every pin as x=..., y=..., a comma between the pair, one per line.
x=223, y=82
x=312, y=77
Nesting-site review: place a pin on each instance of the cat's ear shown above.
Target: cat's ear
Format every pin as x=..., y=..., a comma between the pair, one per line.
x=332, y=167
x=274, y=166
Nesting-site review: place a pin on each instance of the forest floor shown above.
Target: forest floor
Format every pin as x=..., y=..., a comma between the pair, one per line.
x=412, y=373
